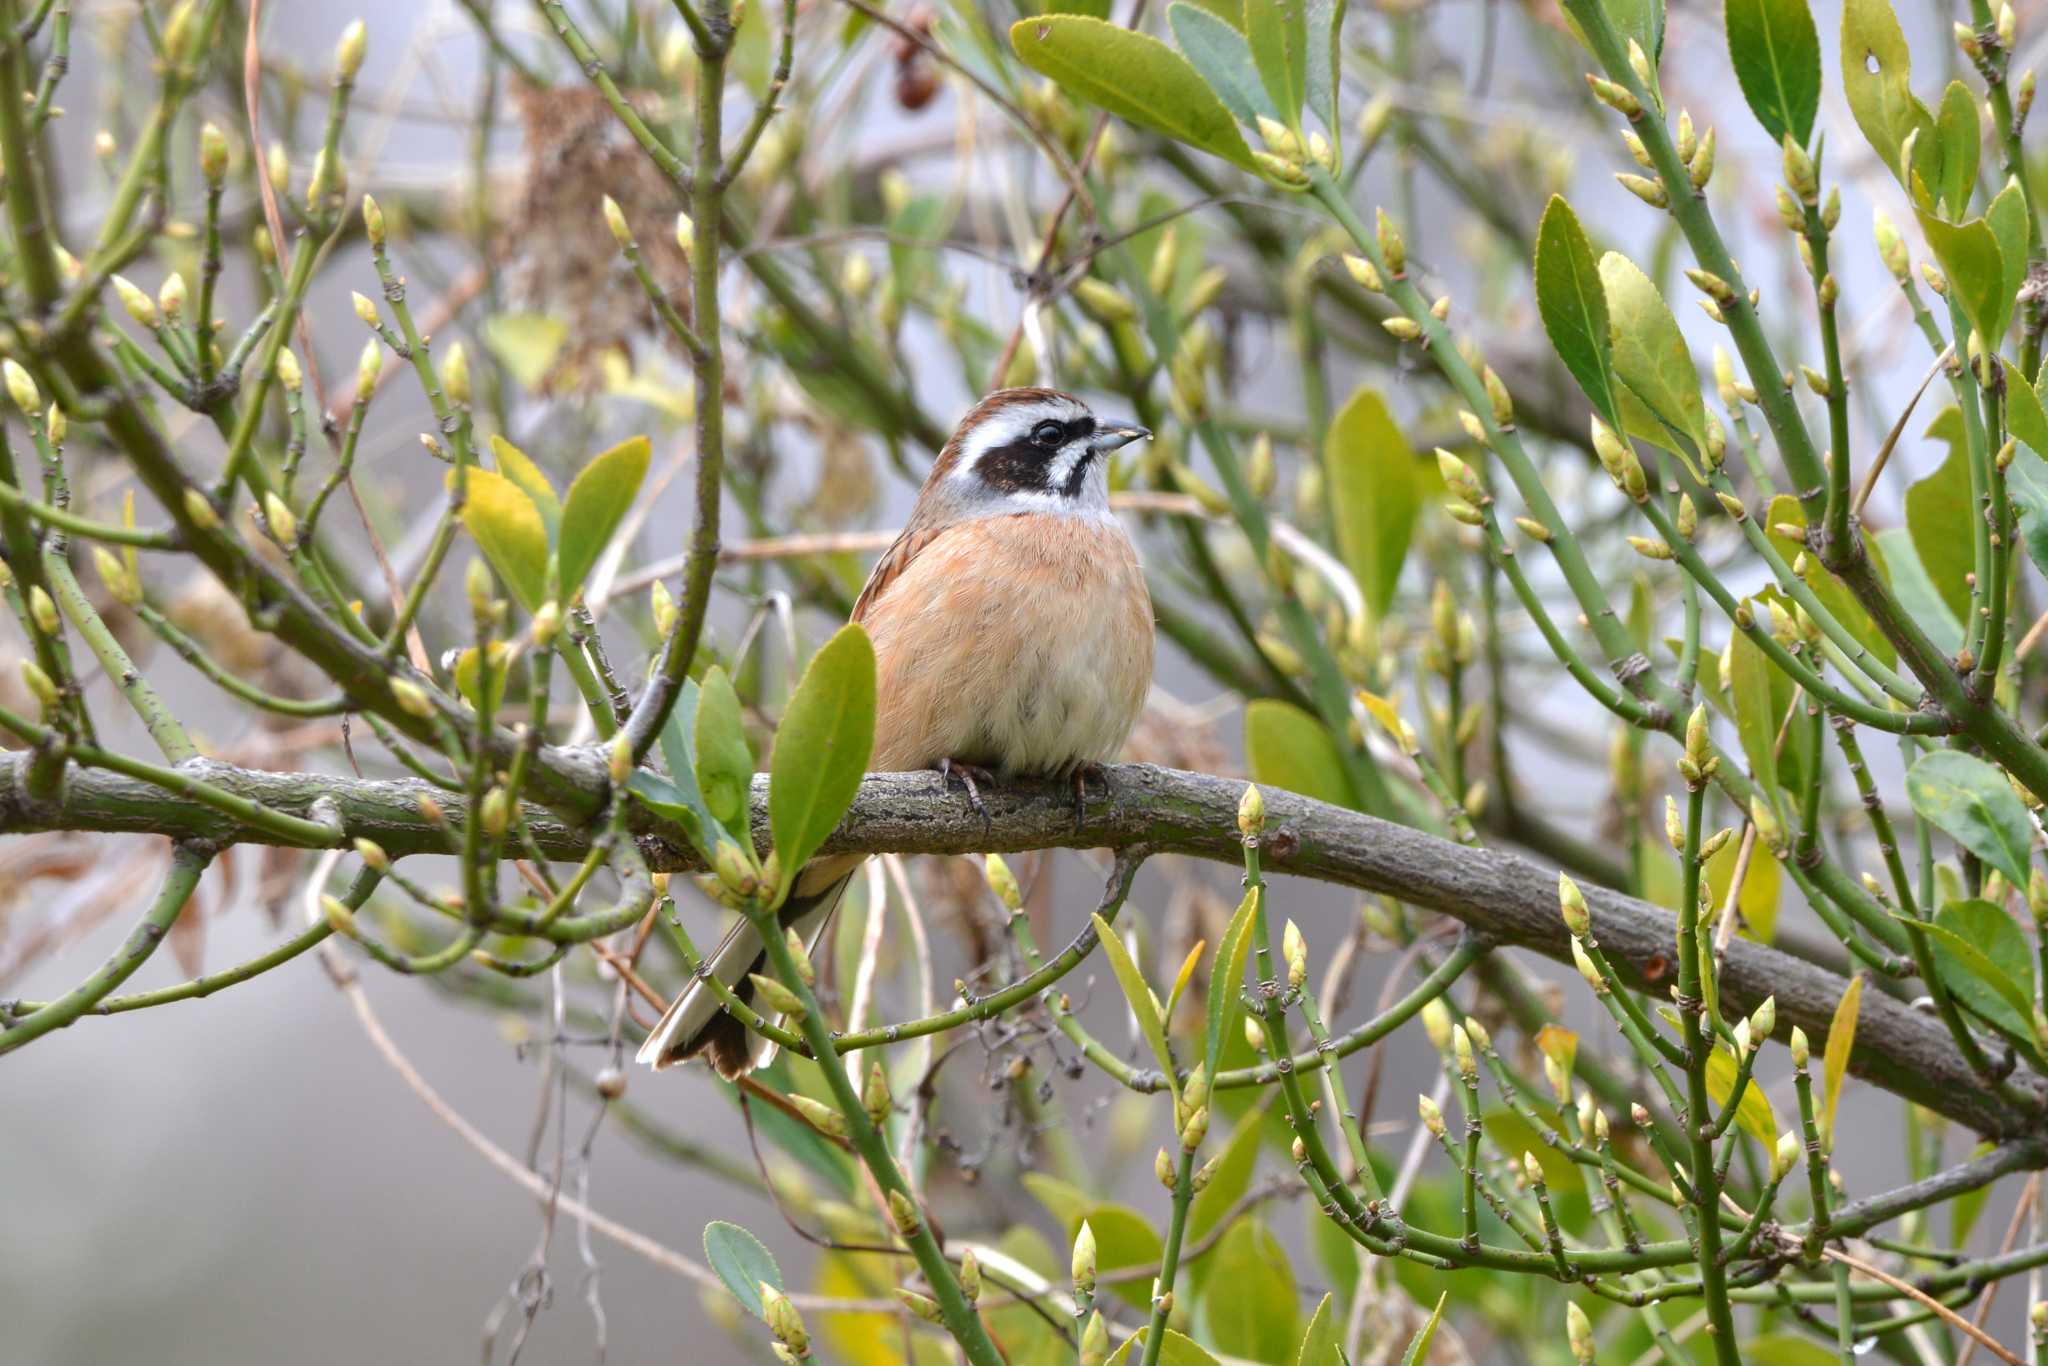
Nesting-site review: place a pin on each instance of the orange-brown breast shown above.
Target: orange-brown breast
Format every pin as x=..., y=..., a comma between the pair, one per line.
x=1022, y=643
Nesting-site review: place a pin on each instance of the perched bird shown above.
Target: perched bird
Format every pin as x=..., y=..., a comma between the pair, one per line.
x=1012, y=632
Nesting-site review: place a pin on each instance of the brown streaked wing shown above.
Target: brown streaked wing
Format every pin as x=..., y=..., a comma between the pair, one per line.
x=894, y=561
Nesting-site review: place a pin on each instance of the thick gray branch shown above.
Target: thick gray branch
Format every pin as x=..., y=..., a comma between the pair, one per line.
x=1505, y=897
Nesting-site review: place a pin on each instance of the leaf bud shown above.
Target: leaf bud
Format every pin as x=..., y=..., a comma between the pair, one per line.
x=1195, y=1130
x=1768, y=828
x=1401, y=329
x=1082, y=1264
x=819, y=1115
x=874, y=1095
x=1287, y=174
x=1785, y=1156
x=21, y=388
x=1393, y=251
x=1650, y=191
x=348, y=52
x=1532, y=1170
x=1763, y=1022
x=455, y=375
x=1003, y=883
x=1800, y=172
x=340, y=919
x=547, y=623
x=1534, y=530
x=1163, y=1169
x=1251, y=813
x=283, y=524
x=970, y=1275
x=1799, y=1047
x=1578, y=1333
x=1461, y=1053
x=1588, y=969
x=1094, y=1342
x=771, y=991
x=1295, y=951
x=1364, y=274
x=1744, y=1039
x=1572, y=904
x=1432, y=1114
x=1615, y=97
x=1650, y=548
x=122, y=586
x=1688, y=517
x=924, y=1306
x=1699, y=166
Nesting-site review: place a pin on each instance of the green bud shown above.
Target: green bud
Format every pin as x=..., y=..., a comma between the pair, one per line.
x=1650, y=191
x=1763, y=1022
x=772, y=993
x=140, y=306
x=1578, y=1333
x=1462, y=1054
x=1800, y=173
x=1785, y=1156
x=282, y=522
x=686, y=234
x=1364, y=274
x=970, y=1275
x=455, y=375
x=171, y=296
x=1196, y=1129
x=21, y=388
x=39, y=685
x=1251, y=813
x=412, y=699
x=818, y=1115
x=1615, y=97
x=43, y=611
x=1082, y=1264
x=348, y=52
x=1393, y=251
x=1588, y=969
x=1295, y=951
x=340, y=919
x=1163, y=1169
x=1003, y=883
x=924, y=1306
x=213, y=153
x=1768, y=828
x=1094, y=1342
x=1103, y=301
x=1799, y=1047
x=874, y=1096
x=122, y=586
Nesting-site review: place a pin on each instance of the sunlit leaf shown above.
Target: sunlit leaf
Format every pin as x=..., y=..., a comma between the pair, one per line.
x=1970, y=800
x=1376, y=490
x=1133, y=76
x=598, y=501
x=1181, y=980
x=1753, y=1112
x=1775, y=50
x=1969, y=256
x=508, y=529
x=1758, y=900
x=1841, y=1043
x=1650, y=355
x=1226, y=978
x=741, y=1263
x=822, y=746
x=1176, y=1350
x=514, y=464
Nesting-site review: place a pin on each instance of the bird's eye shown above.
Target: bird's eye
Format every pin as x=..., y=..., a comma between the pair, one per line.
x=1048, y=433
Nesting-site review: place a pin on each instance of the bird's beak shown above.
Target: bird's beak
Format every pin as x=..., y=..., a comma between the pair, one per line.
x=1113, y=435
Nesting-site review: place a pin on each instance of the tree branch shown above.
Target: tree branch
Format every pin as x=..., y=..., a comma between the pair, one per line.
x=1509, y=899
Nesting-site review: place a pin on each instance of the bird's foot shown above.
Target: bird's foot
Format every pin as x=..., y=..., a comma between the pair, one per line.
x=967, y=773
x=1084, y=775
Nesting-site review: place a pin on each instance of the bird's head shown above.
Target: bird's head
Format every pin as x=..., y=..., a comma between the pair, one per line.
x=1031, y=449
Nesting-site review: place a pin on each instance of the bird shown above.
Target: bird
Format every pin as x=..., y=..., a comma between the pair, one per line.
x=1013, y=636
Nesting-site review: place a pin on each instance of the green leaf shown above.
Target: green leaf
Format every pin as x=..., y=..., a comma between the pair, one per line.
x=655, y=792
x=1226, y=980
x=1133, y=76
x=822, y=747
x=1277, y=31
x=2025, y=416
x=1776, y=53
x=508, y=529
x=1916, y=591
x=741, y=1263
x=1573, y=305
x=679, y=788
x=2009, y=221
x=1832, y=592
x=526, y=344
x=514, y=464
x=1325, y=26
x=1319, y=1340
x=1877, y=74
x=1123, y=1237
x=1957, y=135
x=1971, y=801
x=1786, y=1349
x=1289, y=749
x=1753, y=1113
x=2026, y=484
x=1939, y=513
x=1763, y=696
x=598, y=501
x=1143, y=1005
x=1376, y=490
x=1256, y=1318
x=1418, y=1346
x=1964, y=1209
x=1227, y=1184
x=1649, y=352
x=725, y=765
x=1970, y=257
x=1835, y=1058
x=1176, y=1350
x=1984, y=958
x=1223, y=58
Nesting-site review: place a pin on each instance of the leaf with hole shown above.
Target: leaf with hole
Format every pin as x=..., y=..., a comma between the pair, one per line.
x=1971, y=801
x=1133, y=76
x=1877, y=75
x=822, y=747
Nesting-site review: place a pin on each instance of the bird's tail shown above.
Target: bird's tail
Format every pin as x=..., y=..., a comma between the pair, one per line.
x=697, y=1022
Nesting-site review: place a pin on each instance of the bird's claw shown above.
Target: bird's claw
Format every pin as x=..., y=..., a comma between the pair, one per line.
x=1082, y=776
x=967, y=773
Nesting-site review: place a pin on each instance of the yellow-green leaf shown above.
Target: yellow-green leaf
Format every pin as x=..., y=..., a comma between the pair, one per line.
x=1139, y=995
x=1573, y=304
x=1650, y=356
x=1877, y=74
x=526, y=344
x=1277, y=31
x=1376, y=491
x=1835, y=1058
x=598, y=501
x=1758, y=900
x=1226, y=978
x=742, y=1264
x=467, y=673
x=1256, y=1318
x=1177, y=1350
x=1133, y=76
x=1753, y=1113
x=508, y=529
x=1971, y=802
x=1418, y=1346
x=1181, y=980
x=822, y=746
x=515, y=465
x=1957, y=136
x=1319, y=1340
